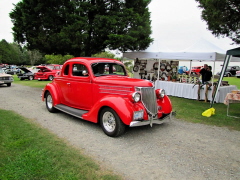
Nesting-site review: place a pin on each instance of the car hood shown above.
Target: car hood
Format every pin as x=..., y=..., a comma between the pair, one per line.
x=123, y=81
x=24, y=69
x=5, y=75
x=42, y=67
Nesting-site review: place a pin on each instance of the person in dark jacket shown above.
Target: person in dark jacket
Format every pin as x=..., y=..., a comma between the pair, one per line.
x=208, y=75
x=203, y=73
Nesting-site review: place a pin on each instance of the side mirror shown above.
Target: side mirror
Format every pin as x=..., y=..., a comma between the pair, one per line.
x=84, y=72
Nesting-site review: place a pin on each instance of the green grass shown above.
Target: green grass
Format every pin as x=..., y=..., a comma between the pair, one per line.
x=191, y=110
x=233, y=81
x=30, y=152
x=33, y=83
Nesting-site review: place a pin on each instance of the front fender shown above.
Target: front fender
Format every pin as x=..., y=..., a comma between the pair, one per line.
x=165, y=104
x=122, y=106
x=50, y=87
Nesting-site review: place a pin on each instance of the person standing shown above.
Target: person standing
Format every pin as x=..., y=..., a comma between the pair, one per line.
x=208, y=75
x=203, y=73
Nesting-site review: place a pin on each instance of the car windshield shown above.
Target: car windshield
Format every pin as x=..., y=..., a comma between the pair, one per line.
x=50, y=67
x=104, y=69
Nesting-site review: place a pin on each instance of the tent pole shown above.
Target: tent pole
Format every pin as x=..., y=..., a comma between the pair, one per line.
x=225, y=64
x=158, y=69
x=190, y=70
x=213, y=72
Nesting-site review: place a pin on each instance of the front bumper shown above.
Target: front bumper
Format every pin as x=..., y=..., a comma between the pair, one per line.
x=152, y=121
x=6, y=81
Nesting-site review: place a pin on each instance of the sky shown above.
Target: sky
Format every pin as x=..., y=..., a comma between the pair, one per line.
x=176, y=24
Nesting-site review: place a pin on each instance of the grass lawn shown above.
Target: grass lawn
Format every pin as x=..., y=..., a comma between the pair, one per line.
x=33, y=83
x=30, y=152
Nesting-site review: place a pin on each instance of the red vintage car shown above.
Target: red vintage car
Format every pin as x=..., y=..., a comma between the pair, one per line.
x=47, y=72
x=195, y=70
x=99, y=90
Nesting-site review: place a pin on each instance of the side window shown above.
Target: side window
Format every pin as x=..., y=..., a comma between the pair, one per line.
x=66, y=70
x=78, y=69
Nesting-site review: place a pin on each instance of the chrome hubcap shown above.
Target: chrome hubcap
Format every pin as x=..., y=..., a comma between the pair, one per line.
x=49, y=102
x=109, y=121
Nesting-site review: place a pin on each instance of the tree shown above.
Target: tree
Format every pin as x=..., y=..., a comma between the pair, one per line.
x=34, y=56
x=222, y=17
x=8, y=54
x=82, y=27
x=57, y=59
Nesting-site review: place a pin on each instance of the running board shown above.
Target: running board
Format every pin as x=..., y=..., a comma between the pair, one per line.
x=72, y=111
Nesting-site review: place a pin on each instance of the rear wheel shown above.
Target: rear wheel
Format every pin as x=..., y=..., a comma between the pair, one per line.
x=49, y=103
x=30, y=78
x=111, y=123
x=50, y=78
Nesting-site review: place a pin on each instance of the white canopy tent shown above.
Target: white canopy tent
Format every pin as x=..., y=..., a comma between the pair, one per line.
x=202, y=50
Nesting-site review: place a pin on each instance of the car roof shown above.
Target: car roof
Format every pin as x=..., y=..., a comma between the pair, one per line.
x=91, y=60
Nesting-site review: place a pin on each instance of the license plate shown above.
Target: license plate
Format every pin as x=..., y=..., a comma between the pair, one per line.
x=138, y=115
x=1, y=82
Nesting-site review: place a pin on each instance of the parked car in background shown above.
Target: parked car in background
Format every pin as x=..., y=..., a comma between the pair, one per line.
x=47, y=72
x=195, y=70
x=238, y=74
x=9, y=71
x=182, y=69
x=5, y=78
x=99, y=90
x=25, y=74
x=230, y=71
x=33, y=69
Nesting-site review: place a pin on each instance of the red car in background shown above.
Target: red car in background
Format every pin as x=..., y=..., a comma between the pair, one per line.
x=195, y=70
x=47, y=72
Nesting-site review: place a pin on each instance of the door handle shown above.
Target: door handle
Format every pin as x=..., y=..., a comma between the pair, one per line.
x=68, y=83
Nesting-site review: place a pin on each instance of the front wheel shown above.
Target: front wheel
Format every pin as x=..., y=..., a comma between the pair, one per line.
x=111, y=123
x=49, y=103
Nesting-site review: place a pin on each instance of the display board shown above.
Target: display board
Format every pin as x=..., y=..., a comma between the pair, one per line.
x=152, y=70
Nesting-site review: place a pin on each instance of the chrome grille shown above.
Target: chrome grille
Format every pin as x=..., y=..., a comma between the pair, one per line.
x=149, y=99
x=4, y=78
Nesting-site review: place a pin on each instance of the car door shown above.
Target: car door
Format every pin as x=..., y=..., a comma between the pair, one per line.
x=79, y=94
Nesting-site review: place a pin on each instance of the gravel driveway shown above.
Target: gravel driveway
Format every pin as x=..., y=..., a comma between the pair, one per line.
x=177, y=150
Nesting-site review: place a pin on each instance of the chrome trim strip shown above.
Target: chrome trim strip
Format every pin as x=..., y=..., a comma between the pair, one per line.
x=114, y=90
x=115, y=86
x=113, y=93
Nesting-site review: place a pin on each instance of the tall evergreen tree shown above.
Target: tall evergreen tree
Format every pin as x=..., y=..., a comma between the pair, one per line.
x=222, y=17
x=82, y=27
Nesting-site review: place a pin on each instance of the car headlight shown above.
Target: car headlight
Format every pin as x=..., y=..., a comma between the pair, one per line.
x=136, y=97
x=160, y=93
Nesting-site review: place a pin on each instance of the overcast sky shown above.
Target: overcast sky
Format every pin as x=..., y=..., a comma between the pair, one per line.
x=176, y=24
